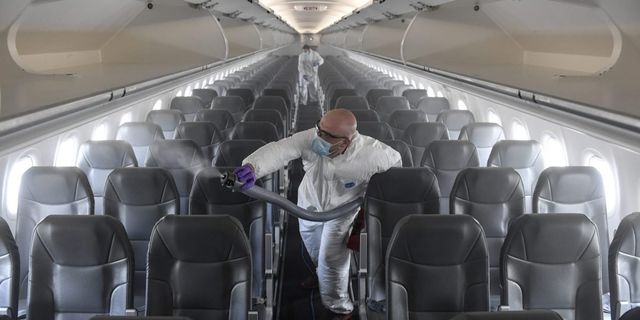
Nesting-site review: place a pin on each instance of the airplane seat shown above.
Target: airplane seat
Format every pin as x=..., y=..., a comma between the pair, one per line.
x=576, y=189
x=183, y=159
x=47, y=191
x=392, y=83
x=437, y=267
x=304, y=125
x=138, y=198
x=494, y=197
x=390, y=196
x=232, y=152
x=484, y=135
x=258, y=130
x=376, y=130
x=140, y=135
x=245, y=93
x=210, y=197
x=233, y=104
x=446, y=158
x=523, y=156
x=366, y=115
x=419, y=135
x=206, y=95
x=631, y=314
x=414, y=96
x=432, y=106
x=97, y=159
x=274, y=103
x=168, y=120
x=222, y=119
x=188, y=106
x=135, y=318
x=363, y=86
x=80, y=266
x=272, y=90
x=204, y=134
x=340, y=92
x=401, y=119
x=10, y=266
x=455, y=120
x=510, y=315
x=387, y=105
x=224, y=85
x=624, y=267
x=266, y=115
x=374, y=94
x=351, y=103
x=552, y=262
x=404, y=150
x=200, y=268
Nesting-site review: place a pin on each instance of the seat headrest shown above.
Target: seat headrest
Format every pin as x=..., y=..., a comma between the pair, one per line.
x=365, y=115
x=552, y=238
x=451, y=155
x=516, y=154
x=404, y=185
x=139, y=133
x=488, y=185
x=106, y=154
x=510, y=315
x=423, y=133
x=232, y=104
x=387, y=104
x=175, y=154
x=222, y=119
x=414, y=95
x=352, y=102
x=206, y=95
x=445, y=240
x=81, y=240
x=166, y=119
x=201, y=239
x=482, y=134
x=269, y=101
x=377, y=93
x=232, y=152
x=188, y=105
x=207, y=186
x=140, y=186
x=404, y=150
x=401, y=119
x=570, y=184
x=455, y=119
x=626, y=239
x=377, y=130
x=55, y=185
x=259, y=130
x=256, y=115
x=203, y=133
x=433, y=105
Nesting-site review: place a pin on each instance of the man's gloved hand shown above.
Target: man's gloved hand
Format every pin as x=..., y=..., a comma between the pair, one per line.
x=246, y=175
x=305, y=77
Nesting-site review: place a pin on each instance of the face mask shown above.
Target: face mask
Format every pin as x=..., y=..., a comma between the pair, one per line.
x=321, y=147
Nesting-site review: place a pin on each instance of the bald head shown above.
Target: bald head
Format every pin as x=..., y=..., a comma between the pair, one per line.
x=339, y=122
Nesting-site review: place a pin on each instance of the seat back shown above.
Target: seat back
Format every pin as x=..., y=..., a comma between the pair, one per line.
x=255, y=130
x=446, y=252
x=232, y=152
x=168, y=120
x=140, y=135
x=47, y=191
x=210, y=197
x=278, y=92
x=245, y=93
x=446, y=158
x=183, y=159
x=273, y=103
x=80, y=266
x=199, y=267
x=576, y=189
x=484, y=135
x=404, y=150
x=188, y=106
x=206, y=95
x=138, y=198
x=366, y=115
x=266, y=115
x=401, y=119
x=552, y=262
x=387, y=105
x=494, y=197
x=398, y=89
x=391, y=196
x=98, y=158
x=204, y=134
x=631, y=314
x=414, y=96
x=10, y=267
x=523, y=156
x=455, y=120
x=420, y=135
x=624, y=266
x=432, y=106
x=341, y=92
x=377, y=130
x=352, y=103
x=137, y=318
x=222, y=119
x=511, y=315
x=233, y=104
x=374, y=94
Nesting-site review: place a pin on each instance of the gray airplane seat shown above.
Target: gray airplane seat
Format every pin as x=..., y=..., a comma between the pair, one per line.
x=404, y=150
x=255, y=130
x=189, y=106
x=391, y=196
x=352, y=103
x=414, y=96
x=455, y=120
x=233, y=104
x=484, y=135
x=204, y=134
x=279, y=92
x=274, y=103
x=510, y=315
x=376, y=130
x=624, y=267
x=222, y=119
x=420, y=135
x=340, y=92
x=374, y=94
x=633, y=314
x=80, y=266
x=206, y=95
x=246, y=94
x=183, y=159
x=387, y=105
x=200, y=268
x=267, y=115
x=571, y=190
x=552, y=262
x=494, y=197
x=136, y=318
x=437, y=267
x=446, y=158
x=432, y=106
x=10, y=271
x=400, y=120
x=366, y=115
x=168, y=120
x=232, y=152
x=138, y=198
x=140, y=135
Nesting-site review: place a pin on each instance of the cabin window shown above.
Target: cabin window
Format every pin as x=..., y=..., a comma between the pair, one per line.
x=125, y=118
x=197, y=85
x=439, y=94
x=519, y=131
x=492, y=116
x=553, y=151
x=187, y=91
x=204, y=83
x=67, y=152
x=608, y=179
x=420, y=86
x=430, y=92
x=15, y=179
x=101, y=132
x=462, y=105
x=212, y=79
x=179, y=94
x=157, y=105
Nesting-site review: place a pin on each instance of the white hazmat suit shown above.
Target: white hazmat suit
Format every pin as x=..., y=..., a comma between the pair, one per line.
x=327, y=184
x=308, y=63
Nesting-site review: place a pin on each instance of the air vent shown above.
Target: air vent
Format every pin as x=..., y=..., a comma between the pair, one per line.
x=310, y=8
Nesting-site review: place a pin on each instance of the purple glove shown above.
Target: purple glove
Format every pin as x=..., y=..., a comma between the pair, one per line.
x=246, y=175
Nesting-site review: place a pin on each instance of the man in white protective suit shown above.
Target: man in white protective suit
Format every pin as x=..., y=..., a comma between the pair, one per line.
x=308, y=63
x=338, y=163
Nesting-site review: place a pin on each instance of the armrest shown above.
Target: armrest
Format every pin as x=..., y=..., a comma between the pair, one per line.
x=253, y=315
x=504, y=308
x=131, y=312
x=6, y=311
